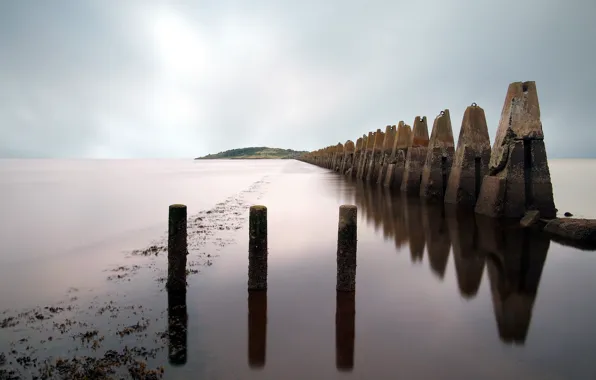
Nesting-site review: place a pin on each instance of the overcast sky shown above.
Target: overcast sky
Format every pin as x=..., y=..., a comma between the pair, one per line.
x=141, y=78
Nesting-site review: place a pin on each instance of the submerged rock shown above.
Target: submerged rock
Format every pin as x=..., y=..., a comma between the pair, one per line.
x=530, y=218
x=581, y=230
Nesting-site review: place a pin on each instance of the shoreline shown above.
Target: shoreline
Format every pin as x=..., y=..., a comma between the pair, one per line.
x=117, y=332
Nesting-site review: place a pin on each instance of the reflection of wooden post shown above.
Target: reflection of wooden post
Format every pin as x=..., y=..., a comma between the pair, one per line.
x=345, y=312
x=257, y=248
x=257, y=328
x=177, y=328
x=177, y=248
x=346, y=249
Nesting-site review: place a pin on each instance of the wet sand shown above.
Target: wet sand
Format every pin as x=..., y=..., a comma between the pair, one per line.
x=439, y=295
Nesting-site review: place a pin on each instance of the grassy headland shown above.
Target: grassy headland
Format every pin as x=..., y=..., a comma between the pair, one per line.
x=254, y=153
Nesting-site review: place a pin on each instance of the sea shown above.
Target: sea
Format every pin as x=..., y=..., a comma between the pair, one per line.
x=440, y=293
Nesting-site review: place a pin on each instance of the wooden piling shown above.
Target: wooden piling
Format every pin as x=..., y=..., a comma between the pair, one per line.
x=346, y=248
x=177, y=248
x=257, y=248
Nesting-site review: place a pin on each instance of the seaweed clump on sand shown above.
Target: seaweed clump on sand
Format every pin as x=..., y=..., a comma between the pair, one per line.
x=111, y=365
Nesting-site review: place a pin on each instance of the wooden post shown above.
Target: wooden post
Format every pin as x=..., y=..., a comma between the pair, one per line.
x=346, y=248
x=257, y=248
x=177, y=248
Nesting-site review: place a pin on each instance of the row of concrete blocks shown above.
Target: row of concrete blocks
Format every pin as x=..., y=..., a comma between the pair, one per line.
x=506, y=181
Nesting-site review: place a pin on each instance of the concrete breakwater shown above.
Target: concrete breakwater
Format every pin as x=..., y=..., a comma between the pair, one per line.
x=509, y=180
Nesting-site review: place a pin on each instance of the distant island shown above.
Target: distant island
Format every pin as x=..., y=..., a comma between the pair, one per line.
x=262, y=152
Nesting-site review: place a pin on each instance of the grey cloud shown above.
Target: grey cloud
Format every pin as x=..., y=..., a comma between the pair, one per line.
x=180, y=79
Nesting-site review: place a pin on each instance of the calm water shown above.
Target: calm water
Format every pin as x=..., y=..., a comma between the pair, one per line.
x=440, y=294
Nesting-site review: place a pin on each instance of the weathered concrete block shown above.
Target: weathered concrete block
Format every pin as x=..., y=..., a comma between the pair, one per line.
x=470, y=163
x=492, y=195
x=365, y=159
x=415, y=158
x=577, y=230
x=348, y=154
x=519, y=157
x=439, y=159
x=412, y=173
x=530, y=218
x=388, y=142
x=375, y=158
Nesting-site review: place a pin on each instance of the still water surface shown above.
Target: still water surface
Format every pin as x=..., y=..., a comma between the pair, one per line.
x=440, y=294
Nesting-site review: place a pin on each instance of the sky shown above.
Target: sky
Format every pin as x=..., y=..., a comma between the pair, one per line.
x=184, y=78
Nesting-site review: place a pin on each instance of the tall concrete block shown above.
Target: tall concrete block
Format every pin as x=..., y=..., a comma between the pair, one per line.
x=370, y=141
x=338, y=156
x=348, y=157
x=351, y=171
x=472, y=156
x=415, y=157
x=403, y=138
x=439, y=158
x=375, y=158
x=390, y=132
x=519, y=159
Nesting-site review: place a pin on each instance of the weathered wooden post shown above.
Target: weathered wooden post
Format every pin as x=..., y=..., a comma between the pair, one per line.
x=177, y=328
x=257, y=328
x=346, y=248
x=177, y=249
x=345, y=311
x=257, y=248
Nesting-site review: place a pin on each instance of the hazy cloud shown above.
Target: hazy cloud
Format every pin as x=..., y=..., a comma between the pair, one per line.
x=132, y=78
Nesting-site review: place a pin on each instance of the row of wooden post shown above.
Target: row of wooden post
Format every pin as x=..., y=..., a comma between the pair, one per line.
x=257, y=248
x=257, y=285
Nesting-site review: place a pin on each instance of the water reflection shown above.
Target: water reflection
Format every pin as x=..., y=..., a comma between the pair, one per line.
x=467, y=256
x=514, y=263
x=345, y=312
x=257, y=328
x=514, y=257
x=438, y=242
x=177, y=328
x=413, y=217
